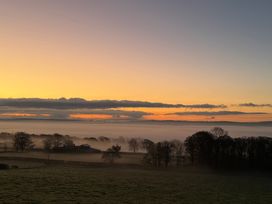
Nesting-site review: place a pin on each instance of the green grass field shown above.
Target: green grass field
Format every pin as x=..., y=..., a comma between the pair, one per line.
x=75, y=184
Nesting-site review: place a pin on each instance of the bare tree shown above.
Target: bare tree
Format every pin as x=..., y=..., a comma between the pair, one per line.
x=158, y=153
x=178, y=150
x=219, y=132
x=166, y=150
x=22, y=141
x=48, y=144
x=133, y=144
x=112, y=153
x=57, y=141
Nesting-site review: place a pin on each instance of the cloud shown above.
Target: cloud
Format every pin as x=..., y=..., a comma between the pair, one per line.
x=218, y=113
x=115, y=113
x=206, y=106
x=65, y=114
x=78, y=103
x=254, y=105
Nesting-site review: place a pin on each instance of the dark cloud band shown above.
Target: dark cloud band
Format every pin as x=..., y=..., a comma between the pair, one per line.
x=218, y=113
x=255, y=105
x=65, y=114
x=78, y=103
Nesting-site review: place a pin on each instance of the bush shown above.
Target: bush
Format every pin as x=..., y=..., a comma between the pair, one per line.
x=4, y=166
x=14, y=167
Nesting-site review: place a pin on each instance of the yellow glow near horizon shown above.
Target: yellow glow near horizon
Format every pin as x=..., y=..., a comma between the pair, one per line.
x=111, y=51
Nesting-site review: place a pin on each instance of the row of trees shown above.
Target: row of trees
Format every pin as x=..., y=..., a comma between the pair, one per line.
x=51, y=143
x=23, y=142
x=214, y=148
x=162, y=153
x=218, y=149
x=58, y=142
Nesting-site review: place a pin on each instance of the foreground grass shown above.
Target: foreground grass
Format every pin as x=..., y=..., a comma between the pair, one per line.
x=70, y=184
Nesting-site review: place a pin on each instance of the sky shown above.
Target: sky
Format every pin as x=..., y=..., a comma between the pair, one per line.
x=173, y=52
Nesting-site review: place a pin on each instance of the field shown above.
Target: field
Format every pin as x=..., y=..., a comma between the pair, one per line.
x=57, y=183
x=126, y=158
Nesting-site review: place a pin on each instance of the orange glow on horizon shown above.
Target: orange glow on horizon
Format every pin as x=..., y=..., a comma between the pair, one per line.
x=91, y=116
x=238, y=118
x=23, y=115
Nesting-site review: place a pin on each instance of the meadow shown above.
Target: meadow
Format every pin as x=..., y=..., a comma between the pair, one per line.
x=126, y=158
x=58, y=183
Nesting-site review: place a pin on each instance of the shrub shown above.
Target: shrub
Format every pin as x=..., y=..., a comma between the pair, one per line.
x=14, y=167
x=4, y=166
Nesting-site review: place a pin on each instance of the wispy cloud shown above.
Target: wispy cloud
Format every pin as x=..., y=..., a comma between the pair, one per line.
x=217, y=113
x=65, y=114
x=254, y=105
x=78, y=103
x=205, y=106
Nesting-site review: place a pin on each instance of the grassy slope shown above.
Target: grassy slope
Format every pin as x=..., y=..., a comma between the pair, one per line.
x=59, y=184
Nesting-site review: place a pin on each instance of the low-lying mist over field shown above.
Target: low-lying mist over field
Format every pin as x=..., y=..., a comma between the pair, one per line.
x=101, y=143
x=155, y=131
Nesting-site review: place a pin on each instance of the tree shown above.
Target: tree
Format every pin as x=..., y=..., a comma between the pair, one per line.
x=146, y=144
x=219, y=132
x=223, y=150
x=57, y=142
x=133, y=144
x=227, y=152
x=151, y=152
x=48, y=146
x=104, y=139
x=158, y=153
x=200, y=147
x=177, y=151
x=68, y=143
x=112, y=153
x=166, y=149
x=22, y=141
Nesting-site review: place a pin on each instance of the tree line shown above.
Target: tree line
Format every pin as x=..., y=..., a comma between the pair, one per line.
x=214, y=148
x=217, y=149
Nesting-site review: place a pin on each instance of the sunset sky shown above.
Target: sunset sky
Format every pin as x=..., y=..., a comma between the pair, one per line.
x=185, y=52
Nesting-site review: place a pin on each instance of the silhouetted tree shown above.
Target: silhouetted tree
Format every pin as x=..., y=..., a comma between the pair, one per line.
x=259, y=152
x=112, y=153
x=177, y=147
x=158, y=153
x=200, y=147
x=58, y=142
x=146, y=144
x=166, y=150
x=103, y=139
x=223, y=151
x=68, y=143
x=151, y=152
x=48, y=144
x=133, y=144
x=218, y=132
x=22, y=141
x=240, y=151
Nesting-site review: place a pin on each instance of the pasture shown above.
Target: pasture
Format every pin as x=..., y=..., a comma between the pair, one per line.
x=35, y=182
